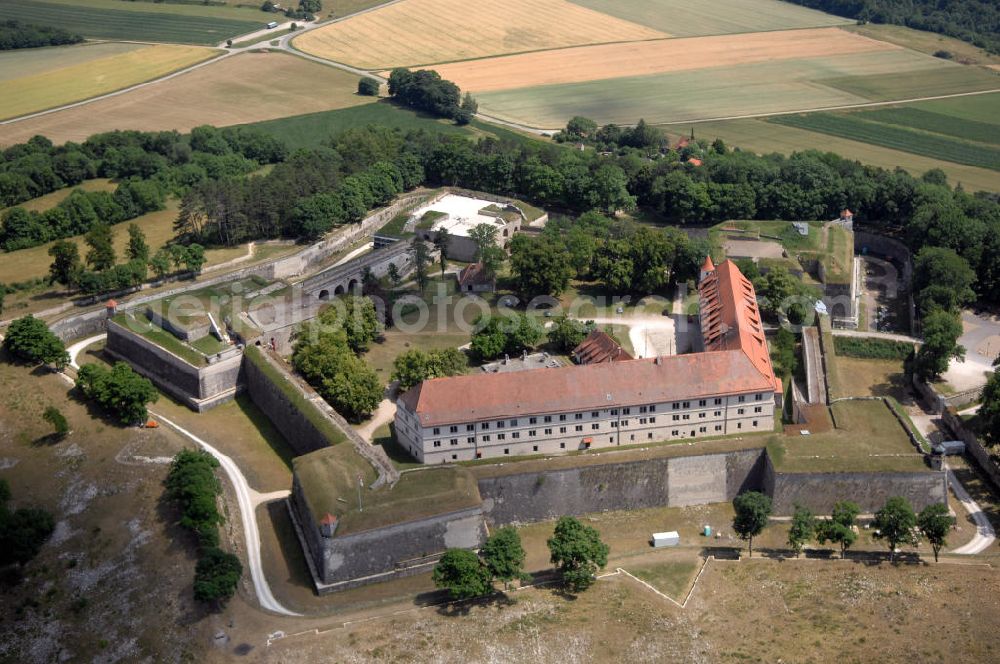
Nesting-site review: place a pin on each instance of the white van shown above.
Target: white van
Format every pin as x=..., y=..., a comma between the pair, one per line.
x=272, y=25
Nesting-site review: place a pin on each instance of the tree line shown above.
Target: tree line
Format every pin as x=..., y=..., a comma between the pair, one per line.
x=14, y=34
x=425, y=90
x=974, y=21
x=191, y=483
x=895, y=523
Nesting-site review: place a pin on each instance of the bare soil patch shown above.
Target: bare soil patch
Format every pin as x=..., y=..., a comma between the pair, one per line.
x=245, y=88
x=591, y=63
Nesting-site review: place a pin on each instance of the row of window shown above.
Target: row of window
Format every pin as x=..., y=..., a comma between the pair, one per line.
x=562, y=445
x=502, y=424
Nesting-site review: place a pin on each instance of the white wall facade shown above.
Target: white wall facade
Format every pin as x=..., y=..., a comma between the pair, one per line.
x=554, y=433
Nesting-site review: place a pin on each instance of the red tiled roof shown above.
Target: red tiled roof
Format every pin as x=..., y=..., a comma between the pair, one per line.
x=708, y=265
x=599, y=347
x=328, y=519
x=694, y=161
x=730, y=319
x=111, y=304
x=474, y=274
x=458, y=399
x=846, y=213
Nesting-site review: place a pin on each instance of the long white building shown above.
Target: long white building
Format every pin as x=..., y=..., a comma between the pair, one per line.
x=727, y=389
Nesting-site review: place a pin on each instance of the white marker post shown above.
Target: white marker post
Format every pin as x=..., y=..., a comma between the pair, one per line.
x=361, y=483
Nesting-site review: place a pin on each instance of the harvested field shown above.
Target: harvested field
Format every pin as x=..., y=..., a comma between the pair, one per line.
x=244, y=88
x=591, y=63
x=418, y=32
x=683, y=18
x=735, y=91
x=76, y=80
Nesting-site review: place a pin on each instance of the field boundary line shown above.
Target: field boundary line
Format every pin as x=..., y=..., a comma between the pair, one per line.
x=55, y=109
x=687, y=596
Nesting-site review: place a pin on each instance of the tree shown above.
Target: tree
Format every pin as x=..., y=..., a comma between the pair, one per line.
x=541, y=266
x=566, y=334
x=160, y=262
x=421, y=257
x=802, y=530
x=934, y=522
x=839, y=527
x=53, y=416
x=394, y=276
x=368, y=86
x=753, y=509
x=463, y=575
x=216, y=575
x=358, y=319
x=194, y=258
x=941, y=332
x=138, y=249
x=989, y=411
x=101, y=240
x=323, y=356
x=942, y=279
x=580, y=128
x=65, y=263
x=503, y=555
x=487, y=251
x=22, y=532
x=441, y=242
x=512, y=334
x=30, y=340
x=415, y=365
x=896, y=523
x=578, y=552
x=119, y=391
x=311, y=6
x=783, y=352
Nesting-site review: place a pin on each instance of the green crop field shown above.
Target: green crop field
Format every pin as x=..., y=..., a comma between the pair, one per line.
x=765, y=137
x=748, y=89
x=936, y=123
x=683, y=18
x=137, y=21
x=978, y=108
x=929, y=145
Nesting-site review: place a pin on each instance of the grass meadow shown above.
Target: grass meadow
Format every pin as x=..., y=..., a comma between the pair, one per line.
x=140, y=21
x=682, y=18
x=73, y=75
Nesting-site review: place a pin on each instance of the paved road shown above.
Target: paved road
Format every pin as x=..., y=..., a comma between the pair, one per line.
x=985, y=536
x=247, y=498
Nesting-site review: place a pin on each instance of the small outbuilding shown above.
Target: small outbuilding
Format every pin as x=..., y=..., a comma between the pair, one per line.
x=671, y=538
x=599, y=347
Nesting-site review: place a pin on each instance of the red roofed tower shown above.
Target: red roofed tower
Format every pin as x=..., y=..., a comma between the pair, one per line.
x=707, y=268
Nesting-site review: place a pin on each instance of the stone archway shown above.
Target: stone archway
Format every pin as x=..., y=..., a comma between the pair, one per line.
x=352, y=285
x=324, y=294
x=339, y=290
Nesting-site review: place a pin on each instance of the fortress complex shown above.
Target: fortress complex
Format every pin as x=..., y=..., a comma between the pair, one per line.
x=727, y=389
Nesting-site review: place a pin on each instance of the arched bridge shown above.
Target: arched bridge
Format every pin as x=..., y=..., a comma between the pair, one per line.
x=345, y=278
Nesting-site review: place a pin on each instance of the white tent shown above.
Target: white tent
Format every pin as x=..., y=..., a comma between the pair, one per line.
x=666, y=539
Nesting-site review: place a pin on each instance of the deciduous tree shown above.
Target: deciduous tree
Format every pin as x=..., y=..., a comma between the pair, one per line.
x=578, y=552
x=753, y=509
x=462, y=574
x=802, y=529
x=896, y=524
x=934, y=522
x=503, y=555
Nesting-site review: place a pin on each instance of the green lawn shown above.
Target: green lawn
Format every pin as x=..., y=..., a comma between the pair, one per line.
x=868, y=438
x=682, y=18
x=855, y=127
x=161, y=22
x=308, y=130
x=937, y=123
x=329, y=481
x=670, y=578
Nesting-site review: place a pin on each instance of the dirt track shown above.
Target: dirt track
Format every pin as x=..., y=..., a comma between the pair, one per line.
x=591, y=63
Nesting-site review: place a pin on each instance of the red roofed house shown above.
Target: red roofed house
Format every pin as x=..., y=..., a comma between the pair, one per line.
x=599, y=347
x=728, y=389
x=475, y=279
x=694, y=161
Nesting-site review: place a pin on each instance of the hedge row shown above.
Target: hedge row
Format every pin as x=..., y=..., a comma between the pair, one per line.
x=872, y=349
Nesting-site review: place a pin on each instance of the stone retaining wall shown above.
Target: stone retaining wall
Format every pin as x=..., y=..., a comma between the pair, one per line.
x=972, y=445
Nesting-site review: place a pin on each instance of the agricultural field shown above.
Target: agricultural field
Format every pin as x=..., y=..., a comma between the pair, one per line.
x=612, y=61
x=416, y=32
x=249, y=87
x=72, y=73
x=681, y=18
x=859, y=127
x=765, y=137
x=138, y=21
x=739, y=90
x=927, y=42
